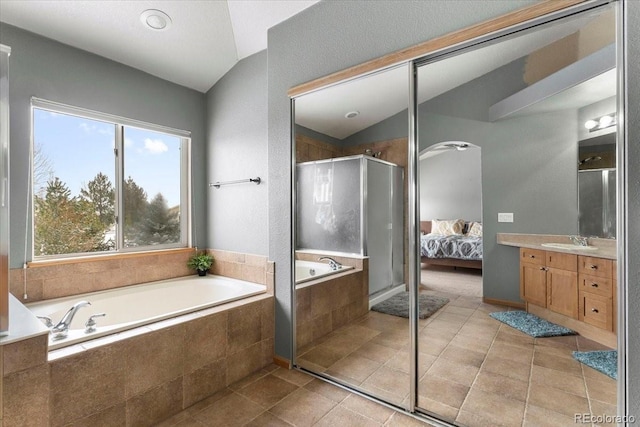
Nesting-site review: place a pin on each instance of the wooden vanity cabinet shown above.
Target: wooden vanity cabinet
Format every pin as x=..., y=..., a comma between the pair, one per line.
x=550, y=279
x=596, y=296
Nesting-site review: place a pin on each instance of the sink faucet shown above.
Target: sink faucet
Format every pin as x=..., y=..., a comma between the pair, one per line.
x=579, y=240
x=332, y=262
x=61, y=329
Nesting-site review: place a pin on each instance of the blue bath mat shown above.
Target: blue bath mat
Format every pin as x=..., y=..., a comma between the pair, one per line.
x=531, y=324
x=605, y=361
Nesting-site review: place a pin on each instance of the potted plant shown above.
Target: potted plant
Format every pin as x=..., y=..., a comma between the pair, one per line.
x=201, y=263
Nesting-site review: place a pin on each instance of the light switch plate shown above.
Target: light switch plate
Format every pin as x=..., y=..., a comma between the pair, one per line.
x=505, y=217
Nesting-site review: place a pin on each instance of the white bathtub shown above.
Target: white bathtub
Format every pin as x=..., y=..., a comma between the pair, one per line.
x=309, y=270
x=133, y=306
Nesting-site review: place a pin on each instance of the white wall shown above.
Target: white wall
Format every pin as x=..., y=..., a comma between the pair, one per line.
x=451, y=185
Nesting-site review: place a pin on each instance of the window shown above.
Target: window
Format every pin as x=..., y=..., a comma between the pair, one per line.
x=104, y=184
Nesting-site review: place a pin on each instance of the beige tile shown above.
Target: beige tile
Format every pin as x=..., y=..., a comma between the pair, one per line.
x=242, y=383
x=393, y=381
x=296, y=377
x=268, y=390
x=493, y=407
x=559, y=380
x=605, y=413
x=439, y=409
x=568, y=341
x=453, y=371
x=507, y=367
x=356, y=367
x=95, y=379
x=340, y=416
x=513, y=336
x=155, y=405
x=375, y=352
x=267, y=419
x=463, y=355
x=399, y=419
x=204, y=382
x=562, y=364
x=556, y=400
x=187, y=422
x=114, y=416
x=605, y=390
x=244, y=327
x=472, y=342
x=502, y=385
x=153, y=359
x=302, y=408
x=231, y=410
x=207, y=341
x=247, y=361
x=327, y=390
x=323, y=355
x=368, y=408
x=536, y=416
x=26, y=397
x=25, y=354
x=515, y=353
x=442, y=390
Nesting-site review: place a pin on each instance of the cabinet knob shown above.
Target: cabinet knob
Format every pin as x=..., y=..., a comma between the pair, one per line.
x=532, y=256
x=594, y=310
x=594, y=285
x=593, y=267
x=544, y=268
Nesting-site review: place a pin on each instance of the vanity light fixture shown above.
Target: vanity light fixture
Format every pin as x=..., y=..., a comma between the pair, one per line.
x=352, y=114
x=600, y=123
x=155, y=20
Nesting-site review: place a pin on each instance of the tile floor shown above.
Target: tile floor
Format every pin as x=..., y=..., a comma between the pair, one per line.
x=473, y=370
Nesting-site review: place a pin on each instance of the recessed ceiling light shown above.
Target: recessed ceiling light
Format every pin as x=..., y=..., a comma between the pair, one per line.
x=155, y=20
x=352, y=114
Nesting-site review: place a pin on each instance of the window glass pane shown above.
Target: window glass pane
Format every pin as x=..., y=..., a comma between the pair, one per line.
x=73, y=184
x=151, y=188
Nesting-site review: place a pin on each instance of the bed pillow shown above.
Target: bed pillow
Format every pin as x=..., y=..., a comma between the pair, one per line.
x=475, y=230
x=447, y=227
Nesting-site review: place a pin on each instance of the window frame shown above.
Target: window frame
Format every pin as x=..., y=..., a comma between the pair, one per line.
x=120, y=123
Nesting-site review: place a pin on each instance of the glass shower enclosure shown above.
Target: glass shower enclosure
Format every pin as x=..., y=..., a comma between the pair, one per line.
x=354, y=205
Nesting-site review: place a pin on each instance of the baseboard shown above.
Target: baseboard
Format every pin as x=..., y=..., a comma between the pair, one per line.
x=601, y=336
x=504, y=302
x=282, y=362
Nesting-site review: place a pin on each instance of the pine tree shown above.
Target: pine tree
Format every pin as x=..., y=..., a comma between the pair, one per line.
x=101, y=194
x=160, y=226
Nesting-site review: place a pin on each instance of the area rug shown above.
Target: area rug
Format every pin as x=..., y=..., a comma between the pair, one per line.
x=605, y=361
x=398, y=305
x=531, y=324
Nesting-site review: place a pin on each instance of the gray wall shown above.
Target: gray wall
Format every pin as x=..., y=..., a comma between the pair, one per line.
x=328, y=37
x=451, y=185
x=50, y=70
x=632, y=219
x=237, y=149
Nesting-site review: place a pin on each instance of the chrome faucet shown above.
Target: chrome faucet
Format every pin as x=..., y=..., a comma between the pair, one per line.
x=579, y=240
x=61, y=329
x=335, y=265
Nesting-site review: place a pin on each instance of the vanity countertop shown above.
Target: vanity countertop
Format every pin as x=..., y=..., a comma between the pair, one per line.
x=606, y=248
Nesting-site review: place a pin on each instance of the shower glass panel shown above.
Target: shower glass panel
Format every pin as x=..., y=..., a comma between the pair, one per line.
x=518, y=98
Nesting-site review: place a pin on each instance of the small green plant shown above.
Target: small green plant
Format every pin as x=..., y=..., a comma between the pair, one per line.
x=200, y=262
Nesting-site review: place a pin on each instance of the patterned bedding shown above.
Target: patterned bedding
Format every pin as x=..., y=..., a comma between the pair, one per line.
x=455, y=246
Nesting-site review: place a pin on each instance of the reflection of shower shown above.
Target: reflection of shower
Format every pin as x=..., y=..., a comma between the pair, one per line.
x=370, y=152
x=589, y=159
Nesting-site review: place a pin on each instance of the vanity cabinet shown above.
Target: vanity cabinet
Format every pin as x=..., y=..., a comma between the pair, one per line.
x=596, y=277
x=577, y=286
x=550, y=279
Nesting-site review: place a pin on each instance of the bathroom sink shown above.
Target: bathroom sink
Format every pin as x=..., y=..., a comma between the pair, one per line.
x=569, y=246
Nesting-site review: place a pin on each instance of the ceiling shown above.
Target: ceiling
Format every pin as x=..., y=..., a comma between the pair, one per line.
x=384, y=94
x=205, y=39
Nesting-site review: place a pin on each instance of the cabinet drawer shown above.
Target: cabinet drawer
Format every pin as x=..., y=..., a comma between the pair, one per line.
x=596, y=310
x=568, y=262
x=596, y=285
x=600, y=267
x=532, y=256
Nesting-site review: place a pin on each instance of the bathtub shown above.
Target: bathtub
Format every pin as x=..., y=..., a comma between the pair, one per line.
x=309, y=270
x=138, y=305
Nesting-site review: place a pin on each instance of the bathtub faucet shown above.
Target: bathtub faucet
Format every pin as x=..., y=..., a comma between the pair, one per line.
x=335, y=265
x=62, y=328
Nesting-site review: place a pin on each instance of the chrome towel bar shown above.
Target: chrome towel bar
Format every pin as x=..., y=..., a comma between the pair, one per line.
x=257, y=180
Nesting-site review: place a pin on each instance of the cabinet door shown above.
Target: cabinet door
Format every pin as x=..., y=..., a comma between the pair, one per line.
x=533, y=283
x=562, y=292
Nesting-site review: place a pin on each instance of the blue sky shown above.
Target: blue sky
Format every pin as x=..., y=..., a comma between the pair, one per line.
x=78, y=148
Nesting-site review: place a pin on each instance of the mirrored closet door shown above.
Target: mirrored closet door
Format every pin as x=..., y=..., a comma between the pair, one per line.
x=351, y=238
x=525, y=101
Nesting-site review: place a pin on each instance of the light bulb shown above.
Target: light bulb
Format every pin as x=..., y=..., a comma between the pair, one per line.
x=590, y=124
x=605, y=121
